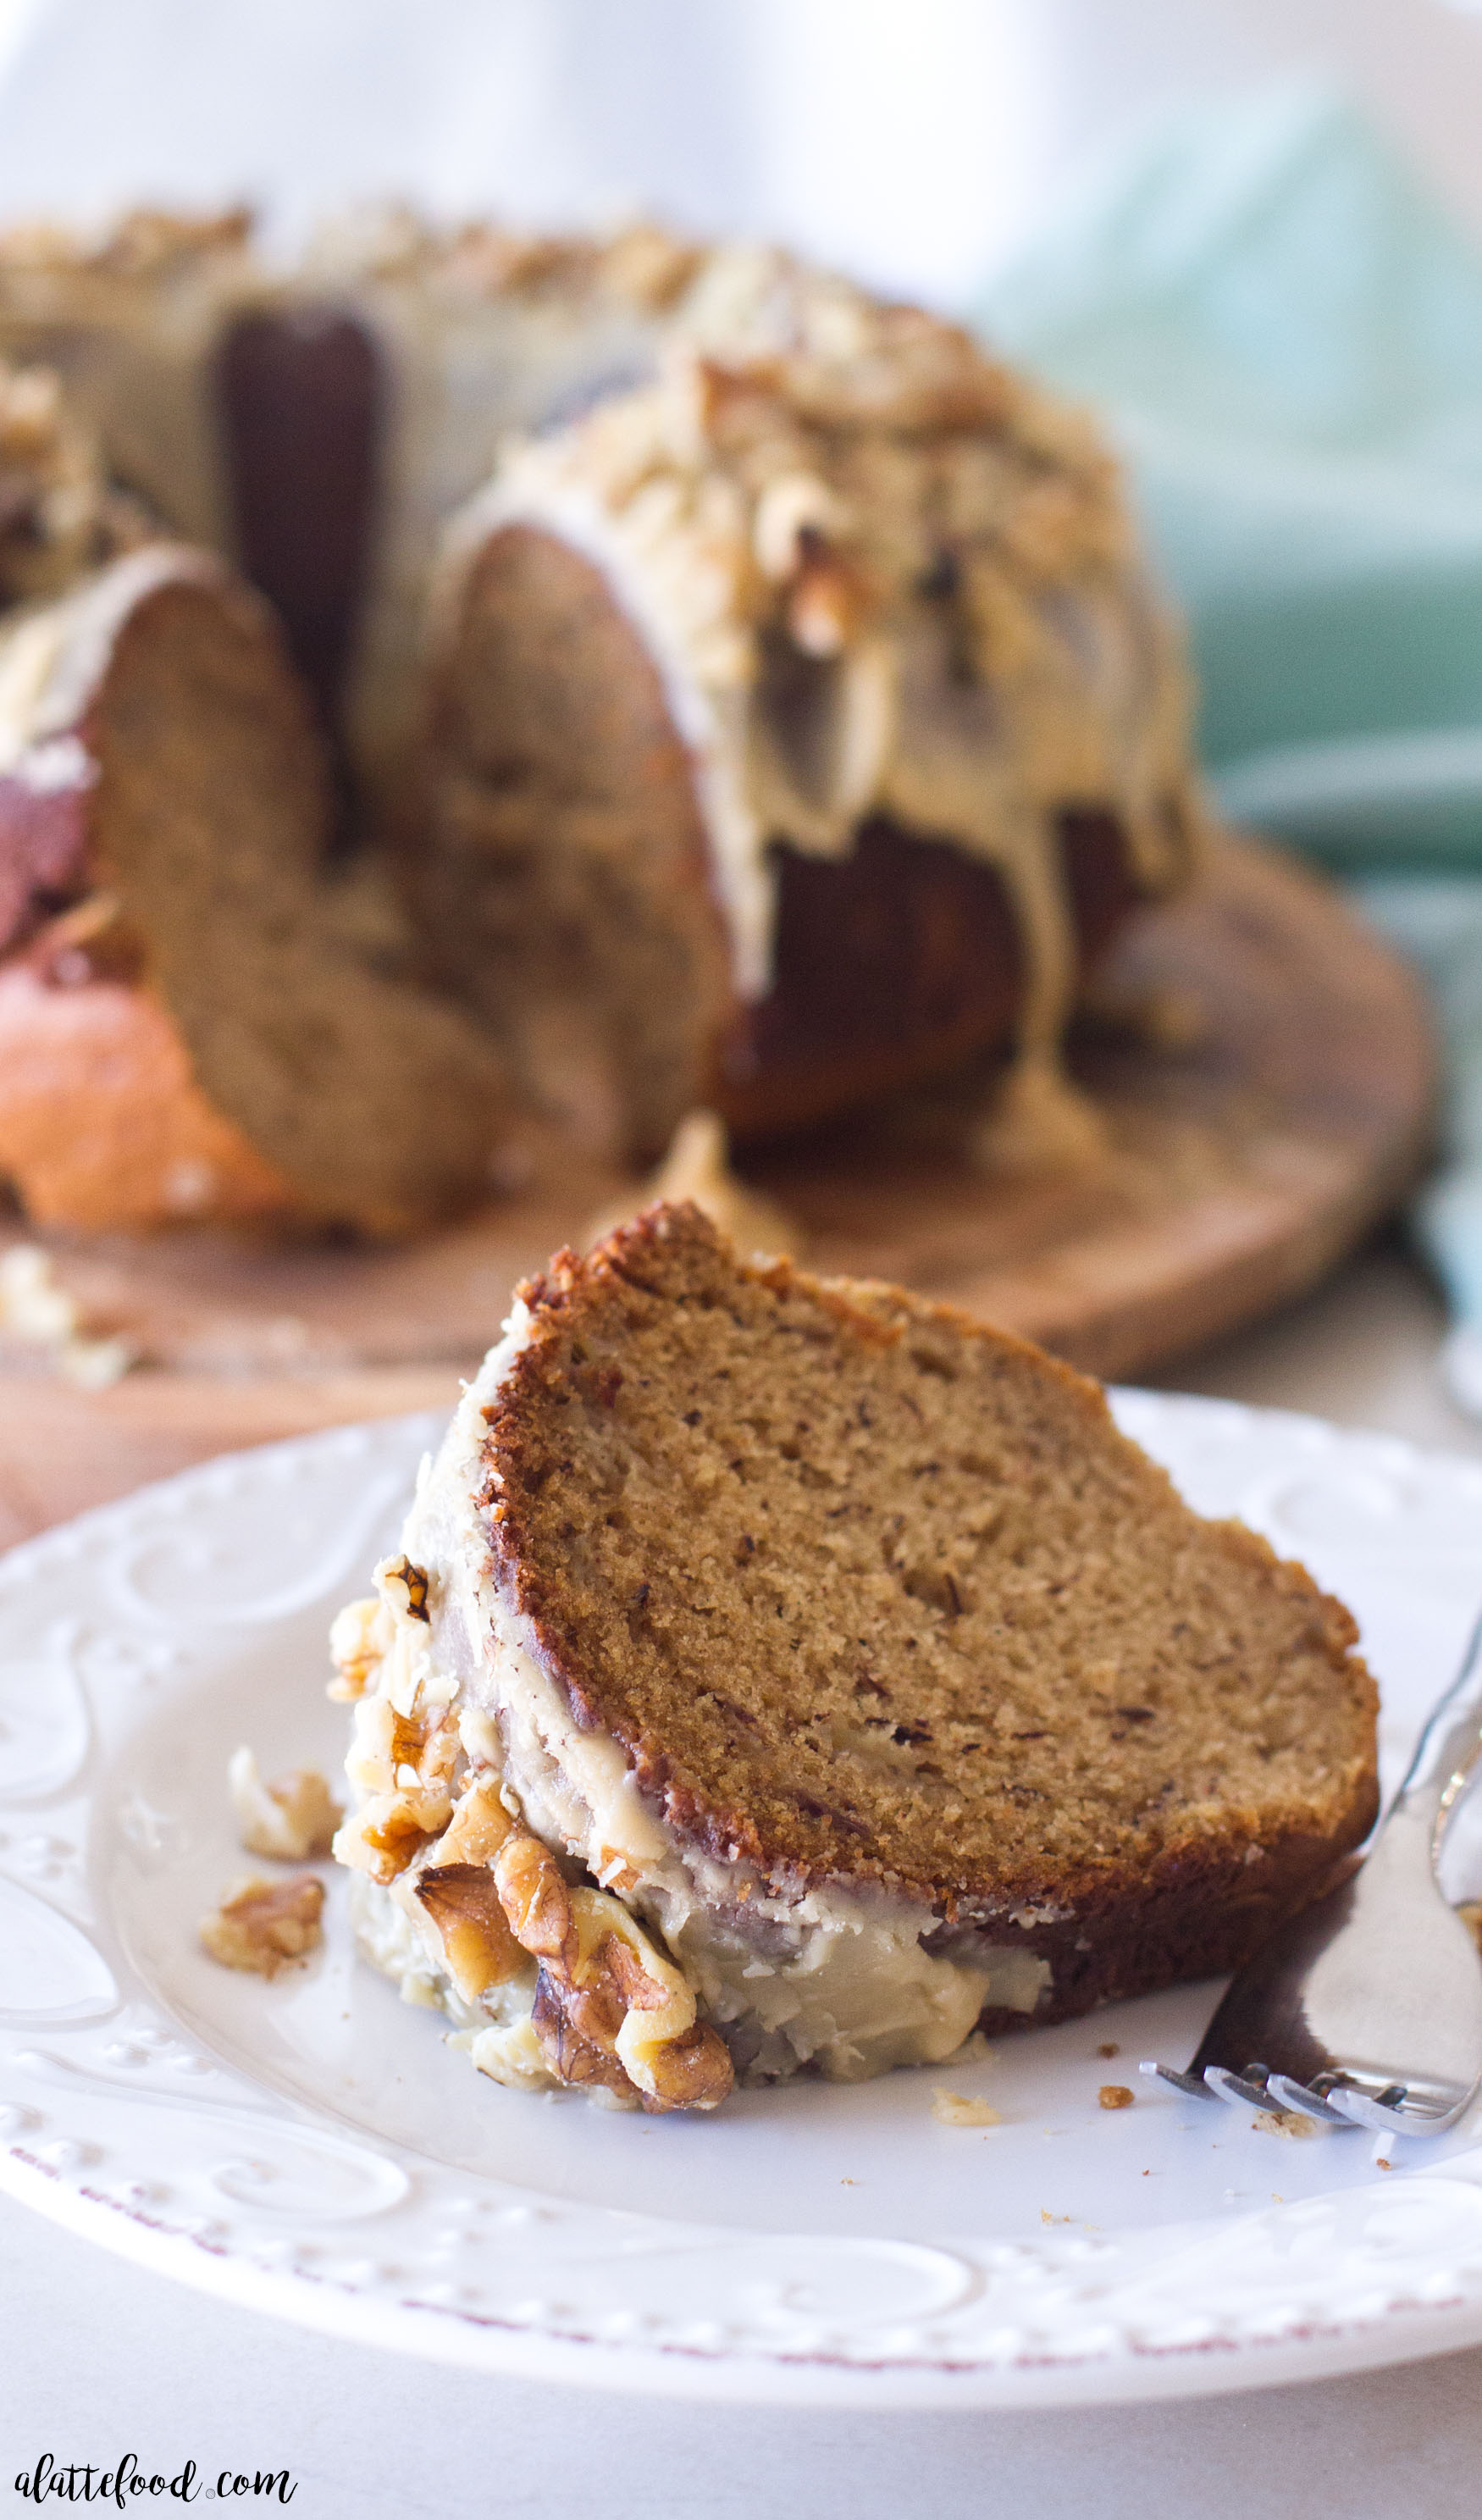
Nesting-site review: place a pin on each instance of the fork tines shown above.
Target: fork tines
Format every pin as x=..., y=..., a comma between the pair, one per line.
x=1258, y=2088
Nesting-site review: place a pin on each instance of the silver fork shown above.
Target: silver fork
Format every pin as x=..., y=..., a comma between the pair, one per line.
x=1365, y=2008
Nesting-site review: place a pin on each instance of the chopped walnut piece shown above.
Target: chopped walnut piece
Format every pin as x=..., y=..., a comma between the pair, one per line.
x=358, y=1639
x=617, y=1963
x=405, y=1587
x=384, y=1835
x=609, y=2009
x=477, y=1946
x=293, y=1818
x=265, y=1925
x=458, y=1891
x=536, y=1900
x=386, y=1742
x=573, y=2057
x=690, y=2072
x=481, y=1822
x=440, y=1752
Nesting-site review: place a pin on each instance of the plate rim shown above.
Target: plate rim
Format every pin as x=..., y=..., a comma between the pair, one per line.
x=1129, y=2372
x=458, y=2340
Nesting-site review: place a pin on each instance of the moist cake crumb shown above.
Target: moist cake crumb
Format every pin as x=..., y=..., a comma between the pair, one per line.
x=1289, y=2122
x=955, y=2108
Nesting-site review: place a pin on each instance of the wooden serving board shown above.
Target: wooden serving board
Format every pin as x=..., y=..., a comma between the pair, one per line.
x=1242, y=1164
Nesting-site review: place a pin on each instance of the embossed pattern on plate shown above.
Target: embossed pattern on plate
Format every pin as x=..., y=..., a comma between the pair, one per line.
x=313, y=2148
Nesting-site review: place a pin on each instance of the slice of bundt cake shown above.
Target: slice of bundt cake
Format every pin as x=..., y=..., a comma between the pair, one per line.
x=187, y=1024
x=186, y=1028
x=794, y=1673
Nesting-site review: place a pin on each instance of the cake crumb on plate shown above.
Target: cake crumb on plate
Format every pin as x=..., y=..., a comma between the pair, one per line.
x=1289, y=2122
x=955, y=2108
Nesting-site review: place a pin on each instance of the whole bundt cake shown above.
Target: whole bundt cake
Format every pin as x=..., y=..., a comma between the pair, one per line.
x=786, y=718
x=187, y=1024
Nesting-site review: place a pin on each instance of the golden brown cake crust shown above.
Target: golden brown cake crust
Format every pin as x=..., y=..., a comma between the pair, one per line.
x=556, y=860
x=558, y=869
x=933, y=723
x=103, y=1123
x=871, y=1595
x=203, y=1032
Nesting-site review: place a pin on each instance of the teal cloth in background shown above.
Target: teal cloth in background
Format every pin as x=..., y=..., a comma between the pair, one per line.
x=1438, y=922
x=1286, y=335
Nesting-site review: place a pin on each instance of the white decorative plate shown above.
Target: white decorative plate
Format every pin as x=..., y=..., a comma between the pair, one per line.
x=313, y=2148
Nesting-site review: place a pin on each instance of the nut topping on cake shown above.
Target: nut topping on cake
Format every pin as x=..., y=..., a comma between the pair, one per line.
x=464, y=1904
x=52, y=491
x=609, y=2010
x=406, y=1587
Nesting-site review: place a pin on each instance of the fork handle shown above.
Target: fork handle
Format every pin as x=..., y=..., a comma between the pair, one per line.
x=1446, y=1751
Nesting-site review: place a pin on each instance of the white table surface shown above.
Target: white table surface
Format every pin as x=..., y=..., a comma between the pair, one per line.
x=97, y=2359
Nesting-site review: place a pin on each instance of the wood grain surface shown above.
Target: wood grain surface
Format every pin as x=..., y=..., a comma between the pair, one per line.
x=1278, y=1103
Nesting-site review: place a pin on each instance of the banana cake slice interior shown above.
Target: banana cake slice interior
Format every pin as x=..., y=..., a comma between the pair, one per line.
x=784, y=1673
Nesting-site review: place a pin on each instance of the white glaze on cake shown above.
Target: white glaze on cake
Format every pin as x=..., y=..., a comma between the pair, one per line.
x=131, y=319
x=53, y=659
x=793, y=1974
x=481, y=334
x=822, y=483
